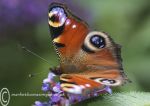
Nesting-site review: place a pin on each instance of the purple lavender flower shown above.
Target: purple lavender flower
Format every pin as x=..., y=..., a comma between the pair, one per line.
x=58, y=96
x=55, y=98
x=16, y=14
x=45, y=87
x=38, y=103
x=50, y=78
x=57, y=88
x=108, y=89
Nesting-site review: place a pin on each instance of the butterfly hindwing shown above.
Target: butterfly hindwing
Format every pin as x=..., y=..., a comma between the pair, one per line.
x=77, y=84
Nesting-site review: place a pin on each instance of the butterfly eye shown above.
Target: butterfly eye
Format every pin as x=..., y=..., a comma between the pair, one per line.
x=109, y=82
x=57, y=17
x=94, y=41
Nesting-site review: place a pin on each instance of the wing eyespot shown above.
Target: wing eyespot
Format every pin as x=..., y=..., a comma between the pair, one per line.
x=95, y=41
x=109, y=82
x=57, y=17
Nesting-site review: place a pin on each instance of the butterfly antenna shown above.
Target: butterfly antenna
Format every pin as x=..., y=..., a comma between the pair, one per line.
x=24, y=48
x=29, y=51
x=32, y=75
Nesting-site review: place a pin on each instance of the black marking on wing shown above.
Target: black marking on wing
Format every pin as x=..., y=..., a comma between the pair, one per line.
x=59, y=45
x=62, y=81
x=86, y=49
x=56, y=31
x=67, y=77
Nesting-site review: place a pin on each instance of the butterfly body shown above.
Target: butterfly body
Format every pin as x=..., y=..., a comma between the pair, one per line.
x=88, y=59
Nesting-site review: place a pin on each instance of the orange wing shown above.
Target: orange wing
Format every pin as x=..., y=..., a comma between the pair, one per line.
x=89, y=55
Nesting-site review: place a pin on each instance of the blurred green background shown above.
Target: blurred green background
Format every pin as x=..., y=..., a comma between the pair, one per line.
x=24, y=23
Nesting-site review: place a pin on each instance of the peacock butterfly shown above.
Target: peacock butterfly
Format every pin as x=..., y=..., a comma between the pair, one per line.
x=89, y=59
